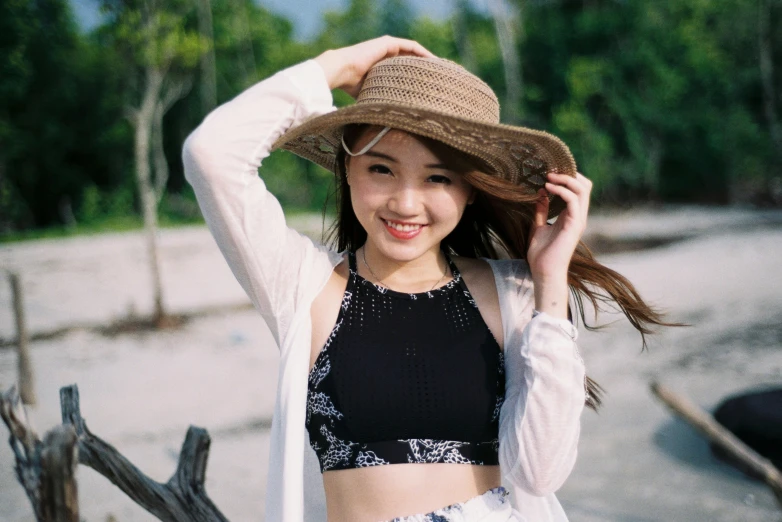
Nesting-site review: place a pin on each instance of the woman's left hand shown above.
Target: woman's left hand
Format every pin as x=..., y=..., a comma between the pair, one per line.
x=551, y=246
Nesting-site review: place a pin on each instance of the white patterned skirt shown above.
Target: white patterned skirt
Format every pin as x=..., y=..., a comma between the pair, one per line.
x=492, y=506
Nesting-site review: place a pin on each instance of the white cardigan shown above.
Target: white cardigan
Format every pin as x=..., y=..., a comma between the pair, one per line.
x=282, y=271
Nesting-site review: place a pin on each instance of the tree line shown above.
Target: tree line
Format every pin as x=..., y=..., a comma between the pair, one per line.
x=669, y=101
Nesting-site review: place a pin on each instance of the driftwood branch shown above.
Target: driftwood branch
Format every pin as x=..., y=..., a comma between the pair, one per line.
x=182, y=499
x=45, y=469
x=721, y=436
x=59, y=458
x=24, y=444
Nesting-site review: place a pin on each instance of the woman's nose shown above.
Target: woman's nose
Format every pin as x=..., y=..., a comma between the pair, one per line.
x=405, y=201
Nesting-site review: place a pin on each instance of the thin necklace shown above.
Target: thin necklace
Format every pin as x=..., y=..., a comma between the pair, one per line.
x=364, y=256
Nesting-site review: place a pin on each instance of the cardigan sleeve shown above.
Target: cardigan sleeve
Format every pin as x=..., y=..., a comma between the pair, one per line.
x=540, y=419
x=221, y=159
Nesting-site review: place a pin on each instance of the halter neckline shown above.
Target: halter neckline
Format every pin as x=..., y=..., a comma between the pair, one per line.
x=448, y=285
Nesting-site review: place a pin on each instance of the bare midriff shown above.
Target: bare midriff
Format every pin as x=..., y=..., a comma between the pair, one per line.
x=396, y=490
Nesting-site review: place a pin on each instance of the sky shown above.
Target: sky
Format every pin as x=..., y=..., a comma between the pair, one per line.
x=306, y=14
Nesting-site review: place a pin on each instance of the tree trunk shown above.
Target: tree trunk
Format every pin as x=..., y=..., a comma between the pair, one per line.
x=461, y=35
x=766, y=59
x=208, y=68
x=248, y=54
x=504, y=22
x=158, y=155
x=654, y=158
x=144, y=117
x=176, y=91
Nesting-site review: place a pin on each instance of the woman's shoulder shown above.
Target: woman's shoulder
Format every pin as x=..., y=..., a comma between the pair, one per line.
x=479, y=278
x=486, y=268
x=507, y=269
x=472, y=266
x=504, y=275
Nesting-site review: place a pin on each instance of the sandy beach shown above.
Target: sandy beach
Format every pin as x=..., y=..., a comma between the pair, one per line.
x=717, y=269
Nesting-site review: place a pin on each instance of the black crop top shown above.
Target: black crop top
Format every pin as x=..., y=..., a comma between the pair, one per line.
x=406, y=378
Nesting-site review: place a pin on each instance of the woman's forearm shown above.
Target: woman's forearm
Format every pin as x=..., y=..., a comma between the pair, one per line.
x=551, y=296
x=541, y=417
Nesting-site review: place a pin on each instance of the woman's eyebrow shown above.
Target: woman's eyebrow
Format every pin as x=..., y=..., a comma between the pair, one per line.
x=442, y=166
x=380, y=155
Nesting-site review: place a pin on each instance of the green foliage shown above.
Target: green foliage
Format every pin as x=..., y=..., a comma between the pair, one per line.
x=298, y=184
x=57, y=124
x=657, y=100
x=250, y=43
x=98, y=206
x=361, y=21
x=436, y=37
x=158, y=38
x=396, y=18
x=16, y=31
x=643, y=92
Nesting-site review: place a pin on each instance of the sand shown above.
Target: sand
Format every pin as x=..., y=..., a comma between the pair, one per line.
x=140, y=391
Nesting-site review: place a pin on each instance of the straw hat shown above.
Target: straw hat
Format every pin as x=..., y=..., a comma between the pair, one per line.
x=438, y=99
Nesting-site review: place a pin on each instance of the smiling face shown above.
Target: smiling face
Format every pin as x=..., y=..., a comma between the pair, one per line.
x=405, y=196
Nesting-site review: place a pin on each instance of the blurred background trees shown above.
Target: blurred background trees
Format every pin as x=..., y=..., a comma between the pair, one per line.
x=161, y=54
x=659, y=101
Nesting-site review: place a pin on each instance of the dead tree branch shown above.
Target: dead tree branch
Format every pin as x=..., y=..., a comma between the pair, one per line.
x=45, y=469
x=59, y=458
x=182, y=499
x=24, y=444
x=718, y=434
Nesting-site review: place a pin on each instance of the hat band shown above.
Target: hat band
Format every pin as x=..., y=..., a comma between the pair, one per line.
x=368, y=145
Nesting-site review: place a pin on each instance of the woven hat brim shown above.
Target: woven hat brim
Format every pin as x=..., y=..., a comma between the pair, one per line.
x=521, y=155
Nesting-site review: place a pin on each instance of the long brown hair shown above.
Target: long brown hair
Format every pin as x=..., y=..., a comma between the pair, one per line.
x=497, y=225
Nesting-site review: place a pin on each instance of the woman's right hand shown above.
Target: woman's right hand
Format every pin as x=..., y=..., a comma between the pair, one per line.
x=346, y=68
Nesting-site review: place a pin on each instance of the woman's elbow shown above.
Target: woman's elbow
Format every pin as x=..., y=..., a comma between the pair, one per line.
x=545, y=484
x=543, y=481
x=193, y=155
x=543, y=472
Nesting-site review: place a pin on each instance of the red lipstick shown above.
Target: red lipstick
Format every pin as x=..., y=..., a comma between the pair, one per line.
x=402, y=234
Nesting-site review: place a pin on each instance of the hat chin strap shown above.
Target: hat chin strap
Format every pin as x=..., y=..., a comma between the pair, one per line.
x=368, y=145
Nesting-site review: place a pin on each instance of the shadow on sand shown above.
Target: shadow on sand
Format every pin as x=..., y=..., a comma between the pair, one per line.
x=680, y=441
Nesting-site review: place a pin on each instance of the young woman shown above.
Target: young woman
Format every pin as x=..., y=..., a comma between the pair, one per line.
x=430, y=379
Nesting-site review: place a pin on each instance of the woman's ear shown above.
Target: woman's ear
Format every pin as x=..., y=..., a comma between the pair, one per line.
x=473, y=194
